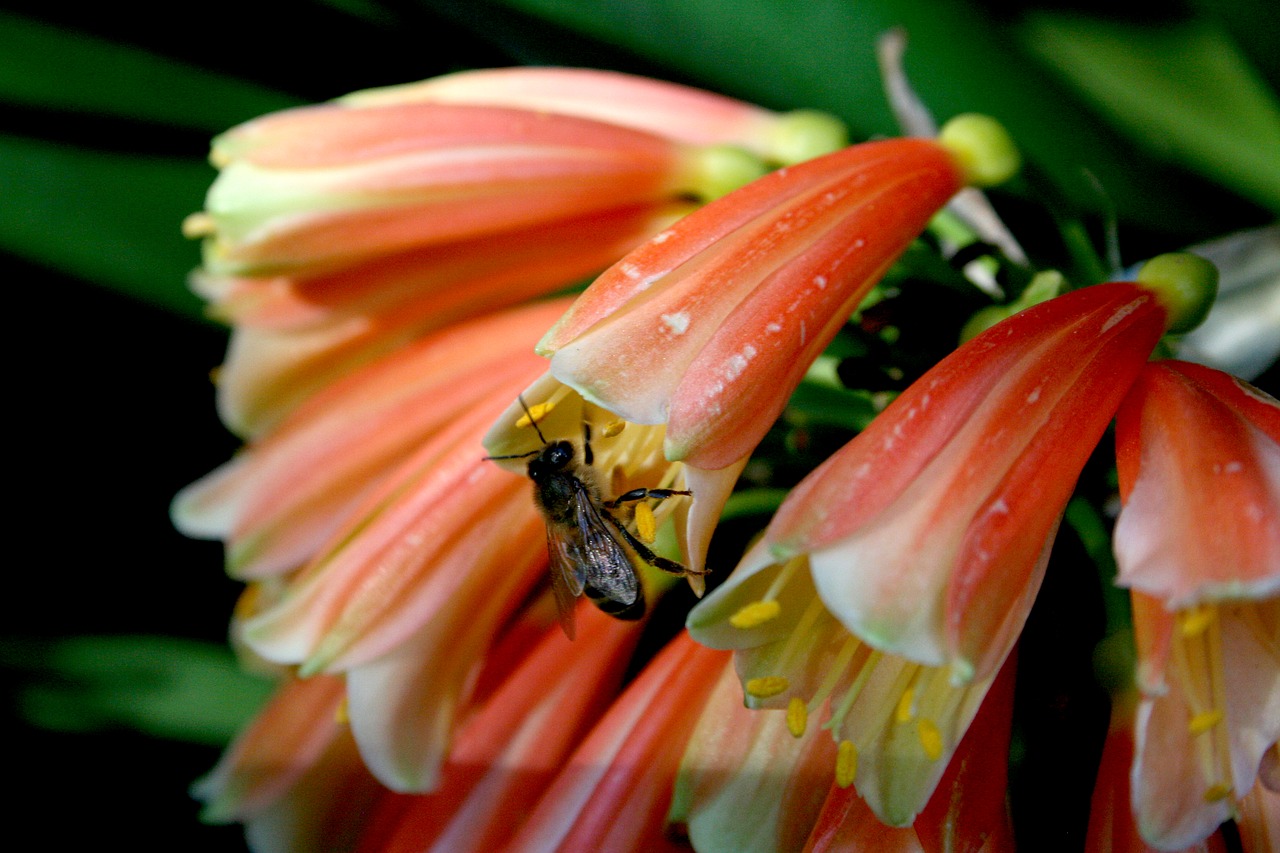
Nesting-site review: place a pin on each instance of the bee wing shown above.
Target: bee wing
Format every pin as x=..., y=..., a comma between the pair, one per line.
x=609, y=568
x=567, y=572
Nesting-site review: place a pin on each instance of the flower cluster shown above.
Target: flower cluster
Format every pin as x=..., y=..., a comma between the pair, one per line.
x=400, y=371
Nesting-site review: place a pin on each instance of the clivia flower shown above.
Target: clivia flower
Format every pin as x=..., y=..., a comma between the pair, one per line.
x=382, y=545
x=1198, y=544
x=894, y=580
x=512, y=745
x=707, y=328
x=332, y=230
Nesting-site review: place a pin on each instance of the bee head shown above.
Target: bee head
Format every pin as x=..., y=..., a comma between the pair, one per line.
x=556, y=456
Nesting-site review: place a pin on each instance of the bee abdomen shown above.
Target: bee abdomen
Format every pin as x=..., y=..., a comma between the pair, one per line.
x=613, y=607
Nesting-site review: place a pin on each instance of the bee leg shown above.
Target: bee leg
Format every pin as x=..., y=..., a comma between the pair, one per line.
x=640, y=494
x=587, y=456
x=645, y=553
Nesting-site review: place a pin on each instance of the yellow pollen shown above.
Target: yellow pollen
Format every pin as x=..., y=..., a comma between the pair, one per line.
x=904, y=714
x=846, y=763
x=754, y=614
x=797, y=716
x=930, y=738
x=612, y=428
x=1217, y=793
x=536, y=413
x=1197, y=620
x=340, y=714
x=1202, y=722
x=646, y=524
x=198, y=225
x=769, y=685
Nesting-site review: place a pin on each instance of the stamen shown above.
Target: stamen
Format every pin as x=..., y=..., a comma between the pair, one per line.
x=904, y=714
x=797, y=716
x=930, y=738
x=198, y=225
x=851, y=695
x=846, y=763
x=536, y=413
x=1202, y=722
x=766, y=686
x=1197, y=620
x=646, y=524
x=1217, y=793
x=755, y=614
x=612, y=428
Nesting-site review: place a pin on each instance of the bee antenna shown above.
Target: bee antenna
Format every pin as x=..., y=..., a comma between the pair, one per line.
x=532, y=419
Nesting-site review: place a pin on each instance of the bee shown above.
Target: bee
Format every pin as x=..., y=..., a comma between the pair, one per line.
x=589, y=547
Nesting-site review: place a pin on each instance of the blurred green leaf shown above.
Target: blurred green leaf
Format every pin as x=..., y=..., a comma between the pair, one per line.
x=108, y=218
x=162, y=686
x=1182, y=91
x=53, y=69
x=821, y=54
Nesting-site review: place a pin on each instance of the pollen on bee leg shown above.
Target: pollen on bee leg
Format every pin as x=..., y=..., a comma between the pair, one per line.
x=646, y=524
x=754, y=614
x=766, y=686
x=846, y=763
x=797, y=716
x=612, y=428
x=535, y=414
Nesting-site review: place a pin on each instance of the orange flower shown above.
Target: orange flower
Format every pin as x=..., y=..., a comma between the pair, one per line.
x=894, y=580
x=511, y=747
x=708, y=327
x=338, y=231
x=615, y=790
x=1198, y=542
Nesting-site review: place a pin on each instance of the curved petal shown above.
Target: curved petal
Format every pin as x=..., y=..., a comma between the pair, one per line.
x=1199, y=462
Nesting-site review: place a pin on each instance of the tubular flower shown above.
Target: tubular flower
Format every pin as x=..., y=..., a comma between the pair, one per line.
x=1198, y=543
x=894, y=580
x=1111, y=820
x=425, y=546
x=709, y=326
x=615, y=790
x=278, y=501
x=334, y=232
x=512, y=746
x=293, y=776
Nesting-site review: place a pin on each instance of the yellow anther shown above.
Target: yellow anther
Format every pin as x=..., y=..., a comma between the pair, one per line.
x=930, y=738
x=198, y=225
x=612, y=428
x=1197, y=620
x=904, y=713
x=1217, y=793
x=1202, y=722
x=755, y=613
x=846, y=763
x=797, y=716
x=646, y=524
x=536, y=413
x=766, y=686
x=341, y=714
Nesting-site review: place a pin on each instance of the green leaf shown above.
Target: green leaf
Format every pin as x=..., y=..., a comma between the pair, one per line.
x=1182, y=90
x=162, y=686
x=108, y=218
x=821, y=54
x=53, y=69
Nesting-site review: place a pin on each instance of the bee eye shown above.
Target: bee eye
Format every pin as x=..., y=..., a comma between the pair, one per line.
x=560, y=454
